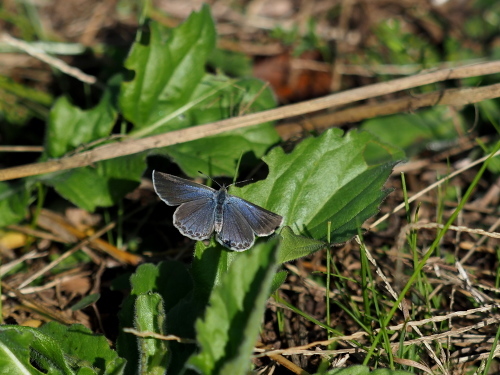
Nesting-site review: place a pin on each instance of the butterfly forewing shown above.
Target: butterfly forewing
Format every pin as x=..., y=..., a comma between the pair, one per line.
x=174, y=190
x=262, y=221
x=235, y=233
x=195, y=219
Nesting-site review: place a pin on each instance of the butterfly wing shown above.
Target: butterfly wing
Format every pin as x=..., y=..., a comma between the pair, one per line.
x=262, y=221
x=235, y=234
x=174, y=190
x=196, y=219
x=195, y=216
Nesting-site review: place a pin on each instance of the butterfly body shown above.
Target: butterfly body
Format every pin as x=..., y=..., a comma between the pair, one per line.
x=203, y=211
x=219, y=208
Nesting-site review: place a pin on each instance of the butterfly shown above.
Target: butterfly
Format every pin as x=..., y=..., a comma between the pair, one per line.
x=203, y=211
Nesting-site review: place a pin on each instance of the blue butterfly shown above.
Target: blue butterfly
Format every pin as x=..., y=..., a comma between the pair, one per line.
x=203, y=210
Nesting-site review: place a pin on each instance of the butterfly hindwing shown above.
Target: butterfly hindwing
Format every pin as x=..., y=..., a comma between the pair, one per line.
x=196, y=219
x=262, y=221
x=235, y=233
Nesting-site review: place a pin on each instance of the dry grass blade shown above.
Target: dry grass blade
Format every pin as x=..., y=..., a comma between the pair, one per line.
x=34, y=305
x=432, y=186
x=52, y=61
x=158, y=336
x=415, y=226
x=51, y=220
x=67, y=254
x=133, y=146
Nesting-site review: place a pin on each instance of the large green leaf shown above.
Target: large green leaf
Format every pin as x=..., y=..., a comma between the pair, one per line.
x=294, y=246
x=85, y=348
x=324, y=179
x=103, y=185
x=229, y=329
x=56, y=349
x=15, y=351
x=170, y=90
x=168, y=65
x=331, y=178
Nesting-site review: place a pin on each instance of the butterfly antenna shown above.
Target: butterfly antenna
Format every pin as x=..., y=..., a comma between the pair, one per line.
x=240, y=182
x=208, y=177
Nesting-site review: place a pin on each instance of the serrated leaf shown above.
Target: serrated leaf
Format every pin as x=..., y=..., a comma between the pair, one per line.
x=294, y=246
x=229, y=329
x=323, y=179
x=168, y=65
x=15, y=351
x=56, y=349
x=71, y=127
x=13, y=203
x=84, y=348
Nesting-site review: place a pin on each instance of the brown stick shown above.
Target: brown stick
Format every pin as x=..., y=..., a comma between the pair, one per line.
x=132, y=146
x=453, y=97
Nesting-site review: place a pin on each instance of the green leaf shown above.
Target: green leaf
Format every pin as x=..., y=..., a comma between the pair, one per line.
x=278, y=279
x=229, y=329
x=170, y=91
x=56, y=349
x=14, y=200
x=15, y=351
x=86, y=301
x=210, y=263
x=102, y=185
x=294, y=246
x=150, y=317
x=172, y=281
x=235, y=64
x=324, y=179
x=218, y=155
x=168, y=66
x=84, y=348
x=432, y=128
x=70, y=127
x=107, y=181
